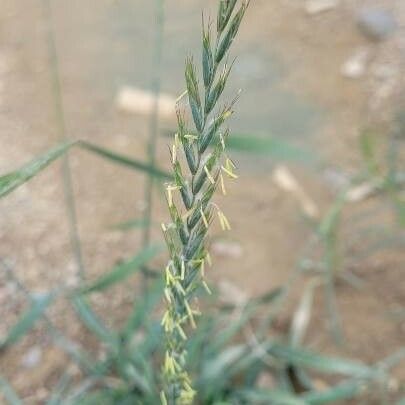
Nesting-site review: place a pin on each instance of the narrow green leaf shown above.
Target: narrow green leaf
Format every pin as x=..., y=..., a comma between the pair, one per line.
x=77, y=354
x=231, y=329
x=328, y=225
x=38, y=306
x=8, y=392
x=60, y=388
x=303, y=314
x=217, y=367
x=321, y=363
x=92, y=321
x=11, y=181
x=343, y=391
x=122, y=271
x=265, y=396
x=143, y=308
x=125, y=160
x=132, y=224
x=270, y=146
x=368, y=148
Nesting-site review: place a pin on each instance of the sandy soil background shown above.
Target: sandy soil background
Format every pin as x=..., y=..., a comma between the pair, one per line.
x=290, y=67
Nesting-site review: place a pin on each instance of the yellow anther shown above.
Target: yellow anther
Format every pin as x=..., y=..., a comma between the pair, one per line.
x=201, y=262
x=202, y=267
x=182, y=95
x=204, y=218
x=229, y=172
x=178, y=367
x=183, y=269
x=208, y=257
x=163, y=399
x=191, y=137
x=169, y=276
x=164, y=319
x=229, y=164
x=210, y=178
x=181, y=332
x=169, y=364
x=174, y=152
x=169, y=196
x=223, y=221
x=221, y=138
x=170, y=188
x=223, y=189
x=190, y=314
x=180, y=288
x=226, y=114
x=205, y=285
x=167, y=295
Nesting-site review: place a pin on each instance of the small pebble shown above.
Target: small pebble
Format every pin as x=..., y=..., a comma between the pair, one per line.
x=32, y=358
x=313, y=7
x=138, y=101
x=356, y=66
x=377, y=24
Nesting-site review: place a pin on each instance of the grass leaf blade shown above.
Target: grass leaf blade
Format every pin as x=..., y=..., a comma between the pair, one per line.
x=8, y=392
x=269, y=146
x=92, y=322
x=125, y=160
x=122, y=271
x=301, y=358
x=28, y=319
x=11, y=181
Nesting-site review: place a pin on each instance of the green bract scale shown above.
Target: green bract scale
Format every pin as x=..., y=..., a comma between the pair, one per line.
x=199, y=164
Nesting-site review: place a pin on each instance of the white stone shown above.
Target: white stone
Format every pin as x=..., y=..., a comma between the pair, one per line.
x=319, y=6
x=32, y=358
x=356, y=66
x=137, y=101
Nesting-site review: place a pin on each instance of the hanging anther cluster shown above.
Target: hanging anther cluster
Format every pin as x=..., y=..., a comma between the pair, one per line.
x=200, y=165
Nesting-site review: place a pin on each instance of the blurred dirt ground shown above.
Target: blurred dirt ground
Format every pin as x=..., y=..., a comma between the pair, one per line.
x=290, y=67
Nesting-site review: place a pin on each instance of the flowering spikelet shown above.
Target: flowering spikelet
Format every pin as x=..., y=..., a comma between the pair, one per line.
x=199, y=165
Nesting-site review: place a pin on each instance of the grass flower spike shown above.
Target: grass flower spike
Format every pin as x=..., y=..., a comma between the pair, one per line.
x=199, y=166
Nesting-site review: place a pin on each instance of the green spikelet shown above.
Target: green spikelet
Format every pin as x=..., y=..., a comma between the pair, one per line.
x=199, y=164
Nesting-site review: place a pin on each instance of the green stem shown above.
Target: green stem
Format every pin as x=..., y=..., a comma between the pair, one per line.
x=61, y=126
x=153, y=123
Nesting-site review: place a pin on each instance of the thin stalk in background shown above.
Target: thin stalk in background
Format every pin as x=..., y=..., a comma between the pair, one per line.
x=61, y=126
x=153, y=125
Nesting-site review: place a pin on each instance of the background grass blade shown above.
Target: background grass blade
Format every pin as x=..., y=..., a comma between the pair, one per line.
x=138, y=223
x=216, y=367
x=60, y=388
x=8, y=393
x=302, y=316
x=28, y=319
x=11, y=181
x=125, y=160
x=263, y=396
x=143, y=308
x=343, y=391
x=301, y=358
x=93, y=323
x=269, y=146
x=122, y=271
